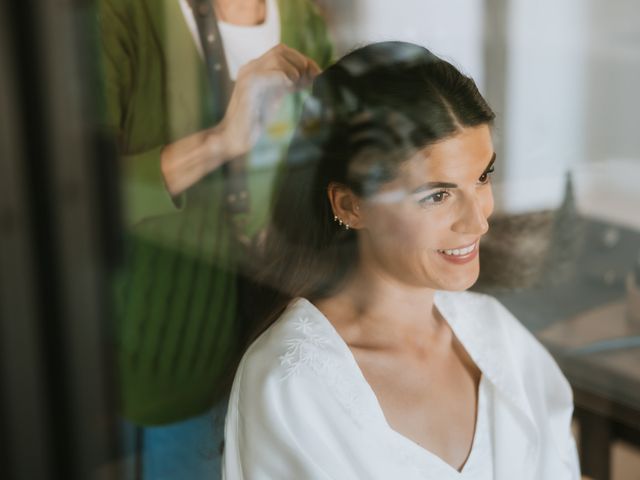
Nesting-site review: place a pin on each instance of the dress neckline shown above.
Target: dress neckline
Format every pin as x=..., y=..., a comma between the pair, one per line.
x=479, y=427
x=379, y=412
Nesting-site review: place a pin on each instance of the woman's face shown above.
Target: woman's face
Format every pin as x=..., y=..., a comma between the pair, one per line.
x=423, y=229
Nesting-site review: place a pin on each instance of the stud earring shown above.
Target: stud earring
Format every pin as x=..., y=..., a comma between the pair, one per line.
x=340, y=222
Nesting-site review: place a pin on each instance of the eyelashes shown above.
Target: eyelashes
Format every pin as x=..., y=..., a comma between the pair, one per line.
x=441, y=195
x=435, y=198
x=486, y=176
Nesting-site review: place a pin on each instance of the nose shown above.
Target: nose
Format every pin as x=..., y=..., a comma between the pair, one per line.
x=473, y=215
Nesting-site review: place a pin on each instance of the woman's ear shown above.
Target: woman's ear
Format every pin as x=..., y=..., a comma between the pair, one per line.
x=345, y=205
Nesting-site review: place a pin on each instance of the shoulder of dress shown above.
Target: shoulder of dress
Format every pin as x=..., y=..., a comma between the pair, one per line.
x=300, y=341
x=485, y=309
x=493, y=332
x=493, y=319
x=536, y=363
x=302, y=360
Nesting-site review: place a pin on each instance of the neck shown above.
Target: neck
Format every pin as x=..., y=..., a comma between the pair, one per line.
x=378, y=311
x=379, y=296
x=241, y=12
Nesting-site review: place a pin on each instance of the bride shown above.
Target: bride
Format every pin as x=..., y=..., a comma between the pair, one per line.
x=379, y=364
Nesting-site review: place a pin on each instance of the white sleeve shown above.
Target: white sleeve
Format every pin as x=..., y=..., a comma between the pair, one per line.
x=551, y=389
x=573, y=459
x=279, y=428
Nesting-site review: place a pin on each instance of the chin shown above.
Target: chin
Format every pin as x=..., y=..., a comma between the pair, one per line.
x=459, y=287
x=459, y=282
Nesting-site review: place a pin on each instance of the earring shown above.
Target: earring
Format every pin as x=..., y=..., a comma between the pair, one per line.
x=340, y=222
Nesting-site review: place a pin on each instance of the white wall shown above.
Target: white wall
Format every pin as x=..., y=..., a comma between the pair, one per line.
x=569, y=79
x=544, y=104
x=572, y=103
x=452, y=29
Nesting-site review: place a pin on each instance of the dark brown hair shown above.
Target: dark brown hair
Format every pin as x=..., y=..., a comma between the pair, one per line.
x=366, y=115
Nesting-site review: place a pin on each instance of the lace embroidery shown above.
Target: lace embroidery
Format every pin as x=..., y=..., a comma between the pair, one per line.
x=305, y=350
x=309, y=350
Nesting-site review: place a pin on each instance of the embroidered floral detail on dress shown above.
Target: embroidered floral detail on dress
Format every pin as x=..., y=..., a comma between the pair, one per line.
x=303, y=350
x=310, y=350
x=303, y=325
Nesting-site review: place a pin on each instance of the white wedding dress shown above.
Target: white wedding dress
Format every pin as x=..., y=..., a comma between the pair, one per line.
x=300, y=407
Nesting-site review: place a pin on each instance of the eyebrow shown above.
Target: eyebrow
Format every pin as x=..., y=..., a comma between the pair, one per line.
x=432, y=185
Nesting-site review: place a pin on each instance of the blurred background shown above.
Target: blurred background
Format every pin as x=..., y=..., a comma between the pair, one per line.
x=563, y=253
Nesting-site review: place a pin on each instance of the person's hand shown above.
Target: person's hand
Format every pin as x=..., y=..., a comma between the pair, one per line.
x=260, y=86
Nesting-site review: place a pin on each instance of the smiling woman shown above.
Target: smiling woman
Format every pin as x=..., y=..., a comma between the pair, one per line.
x=378, y=364
x=426, y=238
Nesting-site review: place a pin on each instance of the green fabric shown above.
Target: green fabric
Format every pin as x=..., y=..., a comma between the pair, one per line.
x=176, y=296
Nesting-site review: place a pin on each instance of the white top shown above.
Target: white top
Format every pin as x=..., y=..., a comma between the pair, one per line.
x=241, y=43
x=479, y=465
x=300, y=407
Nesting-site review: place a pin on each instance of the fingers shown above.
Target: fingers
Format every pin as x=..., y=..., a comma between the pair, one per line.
x=292, y=73
x=306, y=66
x=258, y=91
x=297, y=68
x=306, y=70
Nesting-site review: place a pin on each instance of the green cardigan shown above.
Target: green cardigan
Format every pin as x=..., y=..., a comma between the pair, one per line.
x=176, y=296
